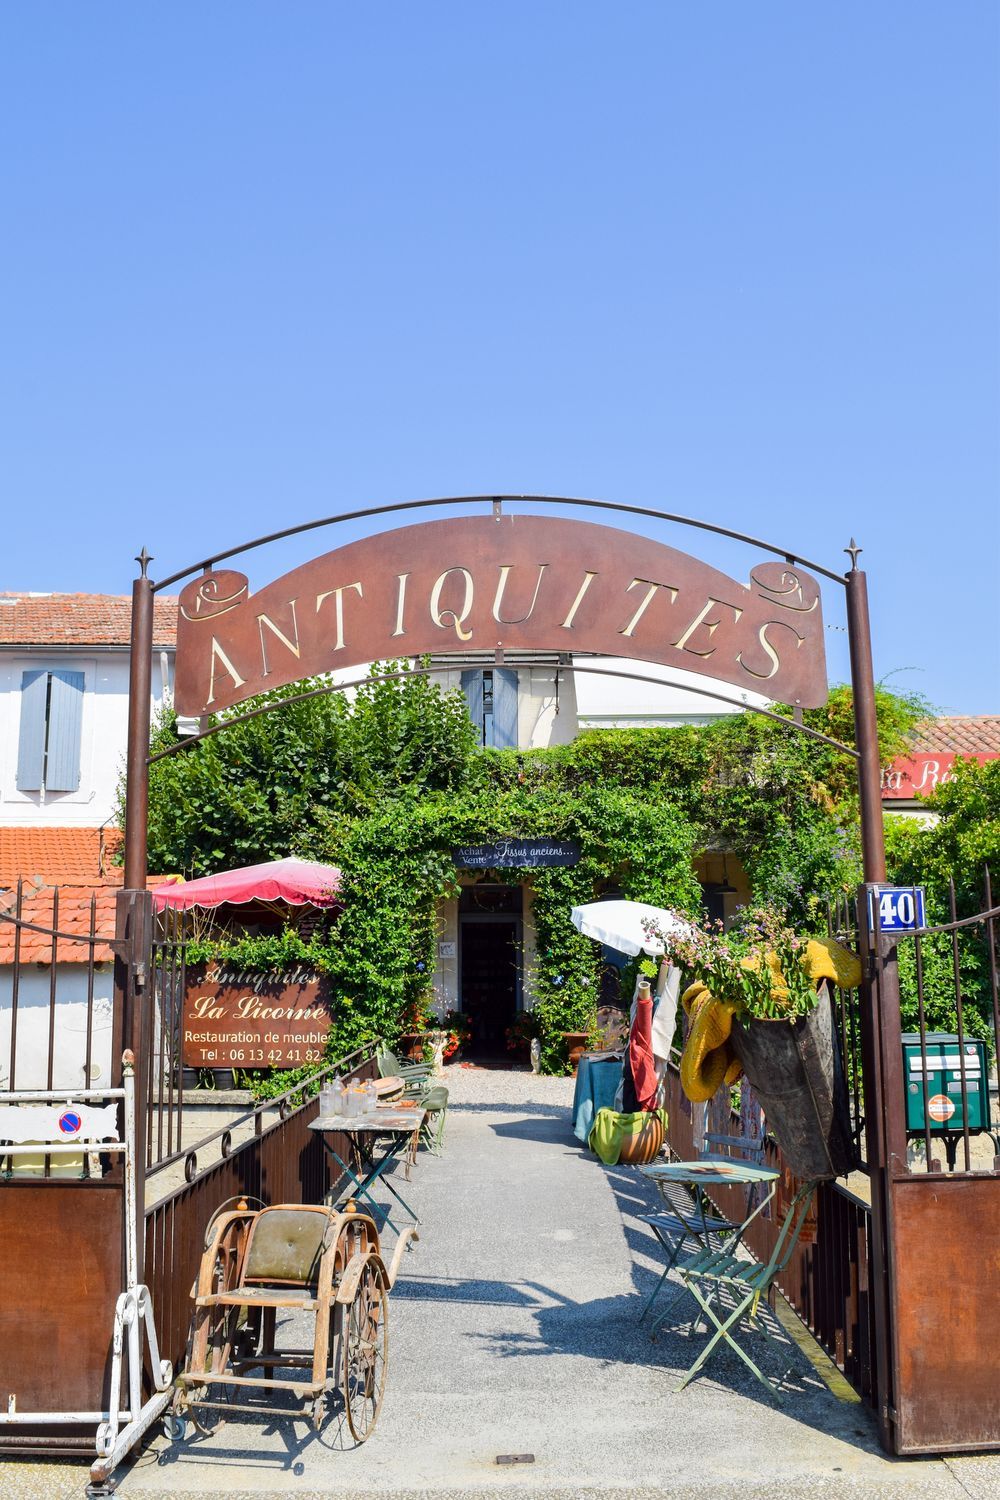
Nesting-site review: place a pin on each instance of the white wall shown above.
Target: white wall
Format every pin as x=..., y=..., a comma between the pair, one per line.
x=104, y=733
x=623, y=702
x=70, y=1032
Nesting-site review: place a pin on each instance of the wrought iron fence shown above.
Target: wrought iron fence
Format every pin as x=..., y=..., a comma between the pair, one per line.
x=949, y=986
x=59, y=1025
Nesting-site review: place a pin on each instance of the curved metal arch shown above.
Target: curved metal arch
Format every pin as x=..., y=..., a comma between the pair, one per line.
x=496, y=500
x=341, y=687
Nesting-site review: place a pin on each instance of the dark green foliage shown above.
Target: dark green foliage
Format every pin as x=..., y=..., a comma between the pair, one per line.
x=385, y=787
x=957, y=849
x=258, y=791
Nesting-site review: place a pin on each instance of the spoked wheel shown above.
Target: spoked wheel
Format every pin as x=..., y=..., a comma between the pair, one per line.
x=366, y=1352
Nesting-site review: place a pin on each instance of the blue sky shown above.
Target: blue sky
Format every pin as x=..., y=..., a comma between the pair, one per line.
x=264, y=262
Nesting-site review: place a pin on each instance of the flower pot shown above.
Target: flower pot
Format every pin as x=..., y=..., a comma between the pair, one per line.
x=797, y=1074
x=643, y=1144
x=411, y=1044
x=576, y=1043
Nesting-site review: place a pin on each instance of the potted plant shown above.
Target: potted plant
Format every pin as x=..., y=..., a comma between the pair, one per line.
x=459, y=1033
x=760, y=1003
x=576, y=1046
x=522, y=1033
x=413, y=1024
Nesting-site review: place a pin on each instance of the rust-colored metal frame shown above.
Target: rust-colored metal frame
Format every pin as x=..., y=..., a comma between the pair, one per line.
x=882, y=1064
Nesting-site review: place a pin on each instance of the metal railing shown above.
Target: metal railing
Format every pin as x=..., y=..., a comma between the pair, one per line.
x=283, y=1162
x=948, y=976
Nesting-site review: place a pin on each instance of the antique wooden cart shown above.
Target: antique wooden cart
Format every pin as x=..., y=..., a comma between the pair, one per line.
x=289, y=1259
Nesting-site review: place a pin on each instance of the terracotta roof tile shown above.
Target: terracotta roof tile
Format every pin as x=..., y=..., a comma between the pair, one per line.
x=81, y=909
x=976, y=734
x=79, y=620
x=59, y=856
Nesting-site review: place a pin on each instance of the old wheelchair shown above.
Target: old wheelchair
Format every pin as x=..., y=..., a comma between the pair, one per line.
x=289, y=1258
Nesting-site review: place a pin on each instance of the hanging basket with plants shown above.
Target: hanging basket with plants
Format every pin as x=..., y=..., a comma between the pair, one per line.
x=760, y=1006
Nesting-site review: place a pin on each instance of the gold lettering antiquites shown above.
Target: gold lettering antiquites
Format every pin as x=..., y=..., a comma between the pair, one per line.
x=498, y=601
x=710, y=625
x=588, y=579
x=651, y=590
x=219, y=655
x=401, y=579
x=337, y=595
x=293, y=645
x=446, y=617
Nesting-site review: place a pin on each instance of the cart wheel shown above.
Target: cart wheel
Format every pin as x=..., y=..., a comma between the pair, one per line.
x=174, y=1427
x=366, y=1352
x=208, y=1420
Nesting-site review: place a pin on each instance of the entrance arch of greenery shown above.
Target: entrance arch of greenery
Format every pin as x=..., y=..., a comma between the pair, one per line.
x=626, y=829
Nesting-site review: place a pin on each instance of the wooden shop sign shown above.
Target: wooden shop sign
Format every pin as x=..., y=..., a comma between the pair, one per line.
x=510, y=583
x=238, y=1020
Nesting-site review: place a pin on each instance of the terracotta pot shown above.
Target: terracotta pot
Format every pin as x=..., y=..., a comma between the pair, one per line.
x=644, y=1144
x=576, y=1042
x=411, y=1044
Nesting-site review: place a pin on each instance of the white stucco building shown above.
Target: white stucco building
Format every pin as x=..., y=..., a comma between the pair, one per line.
x=64, y=666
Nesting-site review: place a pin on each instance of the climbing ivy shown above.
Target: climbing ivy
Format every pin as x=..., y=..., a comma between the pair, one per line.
x=387, y=785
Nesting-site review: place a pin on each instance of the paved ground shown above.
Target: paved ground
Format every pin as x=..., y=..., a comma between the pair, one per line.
x=514, y=1330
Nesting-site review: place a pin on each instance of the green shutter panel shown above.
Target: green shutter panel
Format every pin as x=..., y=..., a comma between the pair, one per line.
x=62, y=754
x=31, y=739
x=472, y=687
x=504, y=708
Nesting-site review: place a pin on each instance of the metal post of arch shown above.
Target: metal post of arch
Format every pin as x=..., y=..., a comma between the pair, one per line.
x=880, y=1024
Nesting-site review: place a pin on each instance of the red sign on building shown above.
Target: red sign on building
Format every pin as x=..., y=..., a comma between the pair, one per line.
x=919, y=775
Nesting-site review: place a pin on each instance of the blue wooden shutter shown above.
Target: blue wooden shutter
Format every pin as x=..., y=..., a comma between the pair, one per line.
x=31, y=739
x=504, y=708
x=62, y=752
x=472, y=687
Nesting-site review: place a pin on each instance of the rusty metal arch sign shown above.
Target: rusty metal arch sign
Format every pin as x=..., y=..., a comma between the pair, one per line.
x=495, y=584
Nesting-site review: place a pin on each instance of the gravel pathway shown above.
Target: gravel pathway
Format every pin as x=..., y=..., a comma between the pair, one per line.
x=514, y=1331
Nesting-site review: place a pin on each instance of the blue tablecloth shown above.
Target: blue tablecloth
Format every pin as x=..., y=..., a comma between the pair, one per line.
x=597, y=1081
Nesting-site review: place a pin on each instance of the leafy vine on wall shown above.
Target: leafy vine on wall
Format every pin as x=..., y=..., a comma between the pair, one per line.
x=385, y=786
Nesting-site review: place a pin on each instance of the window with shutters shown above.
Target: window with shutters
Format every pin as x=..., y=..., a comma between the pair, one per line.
x=48, y=750
x=492, y=699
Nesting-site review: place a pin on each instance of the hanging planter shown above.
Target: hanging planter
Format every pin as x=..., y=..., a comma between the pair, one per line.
x=760, y=1006
x=796, y=1072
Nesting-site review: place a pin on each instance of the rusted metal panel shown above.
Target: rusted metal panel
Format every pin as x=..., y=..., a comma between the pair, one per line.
x=513, y=582
x=946, y=1289
x=62, y=1272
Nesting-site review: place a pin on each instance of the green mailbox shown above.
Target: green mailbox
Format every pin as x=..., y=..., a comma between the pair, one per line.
x=944, y=1083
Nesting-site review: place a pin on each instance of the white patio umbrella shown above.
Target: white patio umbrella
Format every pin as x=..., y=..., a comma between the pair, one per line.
x=624, y=926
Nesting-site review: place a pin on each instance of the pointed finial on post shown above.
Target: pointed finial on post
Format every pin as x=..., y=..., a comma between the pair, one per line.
x=144, y=559
x=852, y=551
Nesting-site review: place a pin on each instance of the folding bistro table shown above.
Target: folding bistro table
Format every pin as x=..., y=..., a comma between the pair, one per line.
x=378, y=1137
x=701, y=1222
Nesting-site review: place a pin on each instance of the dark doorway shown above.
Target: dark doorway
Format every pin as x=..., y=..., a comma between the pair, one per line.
x=489, y=926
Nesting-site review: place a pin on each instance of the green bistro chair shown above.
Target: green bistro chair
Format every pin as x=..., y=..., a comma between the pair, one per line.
x=710, y=1273
x=415, y=1075
x=435, y=1101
